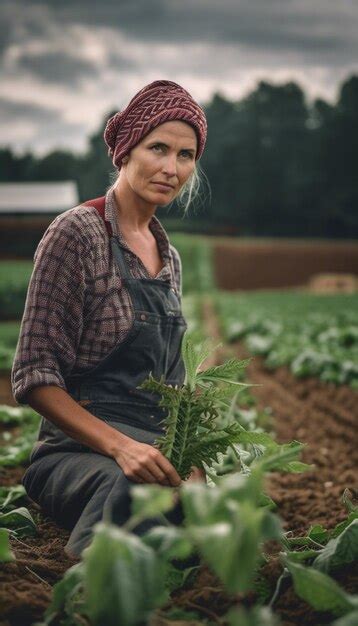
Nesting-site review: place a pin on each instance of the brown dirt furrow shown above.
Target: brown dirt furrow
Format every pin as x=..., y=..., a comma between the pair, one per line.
x=26, y=584
x=311, y=412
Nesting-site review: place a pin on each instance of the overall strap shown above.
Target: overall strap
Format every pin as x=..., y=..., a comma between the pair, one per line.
x=118, y=255
x=100, y=204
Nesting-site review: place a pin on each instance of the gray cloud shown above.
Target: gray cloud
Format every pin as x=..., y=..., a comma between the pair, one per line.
x=81, y=55
x=48, y=128
x=57, y=67
x=10, y=110
x=291, y=24
x=299, y=25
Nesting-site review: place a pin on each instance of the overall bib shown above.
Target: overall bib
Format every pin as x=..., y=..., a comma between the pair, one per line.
x=72, y=483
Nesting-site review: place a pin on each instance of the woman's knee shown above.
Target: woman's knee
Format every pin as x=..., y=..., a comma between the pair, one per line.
x=31, y=483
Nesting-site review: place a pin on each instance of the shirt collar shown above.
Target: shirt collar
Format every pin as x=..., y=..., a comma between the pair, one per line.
x=110, y=215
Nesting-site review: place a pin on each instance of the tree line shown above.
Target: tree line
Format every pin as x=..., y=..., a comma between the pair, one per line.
x=276, y=164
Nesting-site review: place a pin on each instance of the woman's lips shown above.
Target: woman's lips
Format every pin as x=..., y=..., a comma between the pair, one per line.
x=163, y=187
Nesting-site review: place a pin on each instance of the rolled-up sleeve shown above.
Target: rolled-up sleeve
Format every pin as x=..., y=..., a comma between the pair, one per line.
x=52, y=321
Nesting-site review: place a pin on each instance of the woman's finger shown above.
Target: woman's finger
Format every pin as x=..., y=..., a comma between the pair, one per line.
x=169, y=470
x=146, y=475
x=156, y=470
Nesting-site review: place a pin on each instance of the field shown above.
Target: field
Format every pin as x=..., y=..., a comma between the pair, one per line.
x=304, y=352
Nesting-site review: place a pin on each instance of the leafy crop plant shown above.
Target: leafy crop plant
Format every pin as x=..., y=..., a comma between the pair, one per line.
x=194, y=431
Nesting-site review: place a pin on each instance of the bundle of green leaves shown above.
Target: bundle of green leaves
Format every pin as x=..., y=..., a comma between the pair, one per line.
x=195, y=432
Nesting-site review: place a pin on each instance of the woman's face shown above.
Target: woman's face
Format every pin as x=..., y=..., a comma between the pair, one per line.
x=162, y=162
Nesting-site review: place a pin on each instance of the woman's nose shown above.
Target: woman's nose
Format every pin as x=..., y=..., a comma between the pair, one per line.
x=170, y=166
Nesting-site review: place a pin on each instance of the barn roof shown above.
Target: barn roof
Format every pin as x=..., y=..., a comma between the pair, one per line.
x=53, y=197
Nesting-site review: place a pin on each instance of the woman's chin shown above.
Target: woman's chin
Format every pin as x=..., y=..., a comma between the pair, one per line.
x=161, y=199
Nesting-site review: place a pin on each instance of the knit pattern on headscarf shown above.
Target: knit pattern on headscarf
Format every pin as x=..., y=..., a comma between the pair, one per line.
x=160, y=101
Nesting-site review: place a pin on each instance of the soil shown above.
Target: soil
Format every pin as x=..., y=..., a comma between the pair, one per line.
x=322, y=416
x=278, y=264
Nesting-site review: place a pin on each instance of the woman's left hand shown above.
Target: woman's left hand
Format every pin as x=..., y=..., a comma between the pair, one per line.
x=197, y=474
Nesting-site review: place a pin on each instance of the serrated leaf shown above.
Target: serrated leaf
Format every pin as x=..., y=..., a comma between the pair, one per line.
x=193, y=357
x=227, y=372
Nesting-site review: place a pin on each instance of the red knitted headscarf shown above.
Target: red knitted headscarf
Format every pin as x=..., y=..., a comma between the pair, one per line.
x=158, y=102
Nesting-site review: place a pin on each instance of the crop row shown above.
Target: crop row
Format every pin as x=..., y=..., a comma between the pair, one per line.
x=313, y=335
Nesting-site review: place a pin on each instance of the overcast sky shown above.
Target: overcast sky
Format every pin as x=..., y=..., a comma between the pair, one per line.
x=67, y=63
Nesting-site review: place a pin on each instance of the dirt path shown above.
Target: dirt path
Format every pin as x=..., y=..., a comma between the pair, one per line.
x=325, y=418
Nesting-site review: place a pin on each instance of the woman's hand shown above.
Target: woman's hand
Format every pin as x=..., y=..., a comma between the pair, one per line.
x=144, y=463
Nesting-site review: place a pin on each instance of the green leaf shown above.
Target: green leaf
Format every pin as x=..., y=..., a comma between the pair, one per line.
x=301, y=556
x=9, y=495
x=319, y=590
x=124, y=579
x=232, y=549
x=228, y=528
x=64, y=592
x=169, y=542
x=193, y=357
x=347, y=501
x=351, y=619
x=255, y=438
x=342, y=525
x=18, y=452
x=339, y=551
x=318, y=533
x=17, y=415
x=6, y=554
x=282, y=458
x=179, y=616
x=151, y=500
x=203, y=504
x=227, y=372
x=256, y=616
x=20, y=521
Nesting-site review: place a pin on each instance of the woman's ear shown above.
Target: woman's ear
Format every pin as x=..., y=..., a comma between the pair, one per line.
x=125, y=159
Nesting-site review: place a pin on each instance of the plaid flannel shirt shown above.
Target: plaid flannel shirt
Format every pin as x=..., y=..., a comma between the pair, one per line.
x=77, y=308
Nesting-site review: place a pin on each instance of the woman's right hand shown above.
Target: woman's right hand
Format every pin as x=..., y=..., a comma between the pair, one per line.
x=144, y=463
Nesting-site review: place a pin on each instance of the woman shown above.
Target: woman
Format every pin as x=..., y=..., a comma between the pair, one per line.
x=102, y=312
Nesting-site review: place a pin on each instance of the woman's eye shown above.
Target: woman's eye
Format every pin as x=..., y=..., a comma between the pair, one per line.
x=157, y=147
x=188, y=155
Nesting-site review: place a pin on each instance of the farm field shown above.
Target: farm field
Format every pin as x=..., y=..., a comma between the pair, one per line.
x=287, y=403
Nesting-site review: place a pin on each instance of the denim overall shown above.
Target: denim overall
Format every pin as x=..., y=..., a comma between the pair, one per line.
x=71, y=482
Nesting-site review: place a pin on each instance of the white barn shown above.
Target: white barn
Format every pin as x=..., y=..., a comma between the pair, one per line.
x=27, y=209
x=37, y=198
